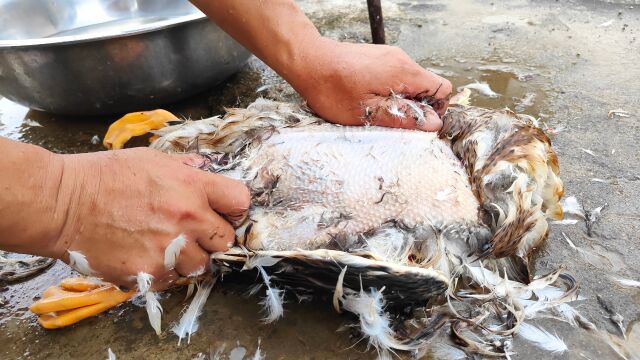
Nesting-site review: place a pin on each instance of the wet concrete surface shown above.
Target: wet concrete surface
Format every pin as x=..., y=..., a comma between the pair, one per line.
x=568, y=63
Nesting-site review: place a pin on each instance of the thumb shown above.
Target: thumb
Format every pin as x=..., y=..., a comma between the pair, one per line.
x=397, y=112
x=226, y=196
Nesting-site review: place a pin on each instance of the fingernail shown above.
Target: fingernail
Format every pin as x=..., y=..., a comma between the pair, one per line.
x=230, y=244
x=432, y=122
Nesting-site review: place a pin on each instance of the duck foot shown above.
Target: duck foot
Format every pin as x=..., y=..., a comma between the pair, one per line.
x=136, y=124
x=76, y=299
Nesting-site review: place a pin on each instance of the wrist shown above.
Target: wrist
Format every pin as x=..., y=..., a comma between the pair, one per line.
x=53, y=203
x=64, y=187
x=31, y=178
x=309, y=67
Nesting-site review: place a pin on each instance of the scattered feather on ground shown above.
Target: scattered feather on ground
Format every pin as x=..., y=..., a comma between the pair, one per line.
x=627, y=283
x=570, y=205
x=482, y=87
x=188, y=323
x=272, y=303
x=542, y=338
x=618, y=112
x=258, y=354
x=565, y=222
x=590, y=256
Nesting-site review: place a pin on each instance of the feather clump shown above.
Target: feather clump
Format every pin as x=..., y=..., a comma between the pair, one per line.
x=188, y=323
x=374, y=322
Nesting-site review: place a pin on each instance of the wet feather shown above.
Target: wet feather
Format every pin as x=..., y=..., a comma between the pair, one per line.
x=481, y=87
x=154, y=311
x=258, y=355
x=188, y=323
x=272, y=303
x=144, y=281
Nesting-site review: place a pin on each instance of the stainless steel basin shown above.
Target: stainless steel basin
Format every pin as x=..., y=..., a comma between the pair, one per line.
x=91, y=57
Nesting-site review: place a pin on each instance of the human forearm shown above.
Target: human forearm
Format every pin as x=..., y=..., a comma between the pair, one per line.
x=276, y=31
x=28, y=190
x=346, y=83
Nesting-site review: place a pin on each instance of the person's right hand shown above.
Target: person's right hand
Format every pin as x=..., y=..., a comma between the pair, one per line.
x=121, y=209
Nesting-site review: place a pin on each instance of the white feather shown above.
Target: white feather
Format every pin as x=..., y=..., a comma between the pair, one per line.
x=565, y=222
x=272, y=303
x=258, y=354
x=199, y=271
x=542, y=338
x=152, y=305
x=110, y=355
x=79, y=262
x=172, y=251
x=144, y=281
x=339, y=290
x=590, y=256
x=190, y=288
x=444, y=351
x=573, y=317
x=628, y=283
x=394, y=110
x=154, y=311
x=570, y=205
x=374, y=322
x=481, y=87
x=419, y=113
x=188, y=323
x=260, y=260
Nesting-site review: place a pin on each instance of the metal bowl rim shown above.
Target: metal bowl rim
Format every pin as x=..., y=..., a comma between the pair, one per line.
x=77, y=39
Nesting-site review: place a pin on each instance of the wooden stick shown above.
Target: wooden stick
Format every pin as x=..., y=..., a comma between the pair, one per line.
x=376, y=21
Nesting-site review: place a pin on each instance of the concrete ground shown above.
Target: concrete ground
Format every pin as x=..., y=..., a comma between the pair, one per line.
x=568, y=63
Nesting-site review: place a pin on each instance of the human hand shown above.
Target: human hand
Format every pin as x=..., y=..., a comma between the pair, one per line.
x=355, y=84
x=121, y=209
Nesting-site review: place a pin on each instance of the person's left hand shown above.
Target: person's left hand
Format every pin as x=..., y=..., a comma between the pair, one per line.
x=356, y=84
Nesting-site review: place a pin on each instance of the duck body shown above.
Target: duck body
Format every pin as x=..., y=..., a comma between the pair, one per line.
x=404, y=197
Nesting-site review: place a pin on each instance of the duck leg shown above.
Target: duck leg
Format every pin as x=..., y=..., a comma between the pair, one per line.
x=136, y=124
x=76, y=299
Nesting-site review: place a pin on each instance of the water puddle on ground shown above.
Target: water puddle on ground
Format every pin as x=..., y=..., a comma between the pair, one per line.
x=497, y=84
